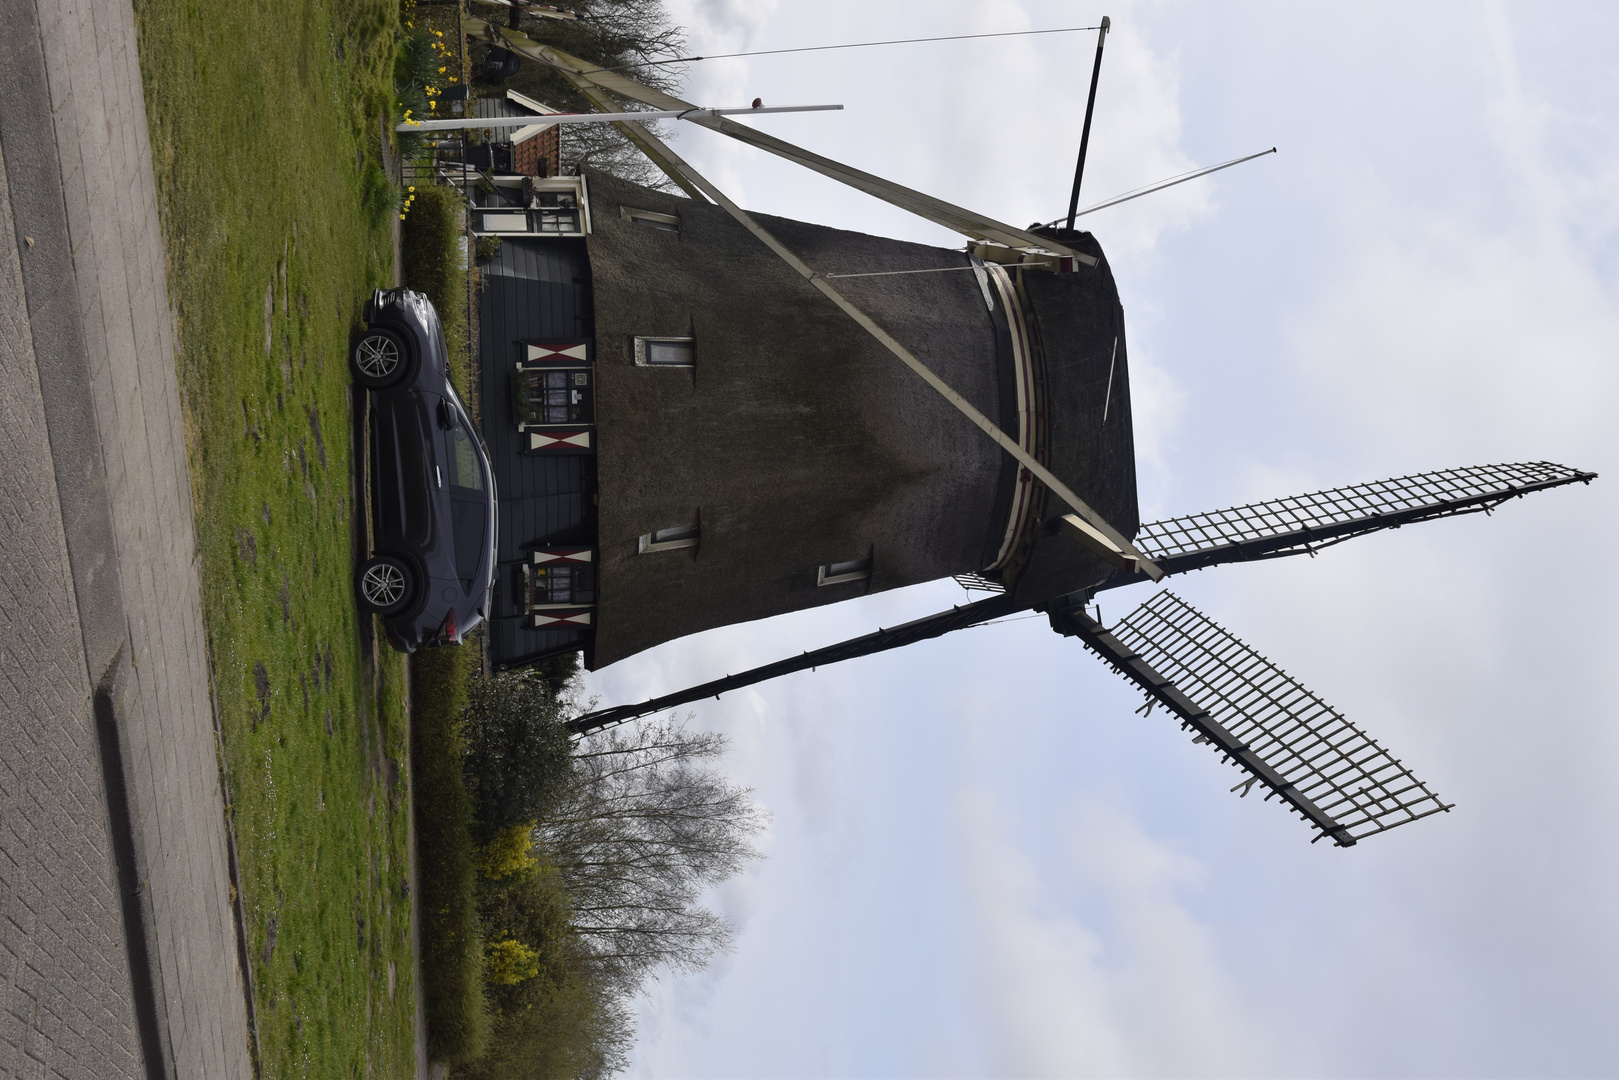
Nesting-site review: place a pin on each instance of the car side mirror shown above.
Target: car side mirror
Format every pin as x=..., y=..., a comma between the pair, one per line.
x=446, y=415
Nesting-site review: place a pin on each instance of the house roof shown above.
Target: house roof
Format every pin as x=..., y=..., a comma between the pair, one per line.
x=515, y=104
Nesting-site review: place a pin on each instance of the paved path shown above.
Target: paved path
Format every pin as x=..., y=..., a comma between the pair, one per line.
x=107, y=744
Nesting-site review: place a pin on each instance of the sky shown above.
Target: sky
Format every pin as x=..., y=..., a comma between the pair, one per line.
x=981, y=862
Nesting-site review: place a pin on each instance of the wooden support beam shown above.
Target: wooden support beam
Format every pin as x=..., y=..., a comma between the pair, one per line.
x=926, y=206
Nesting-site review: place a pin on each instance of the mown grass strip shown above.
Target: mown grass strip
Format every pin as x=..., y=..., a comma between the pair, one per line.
x=265, y=122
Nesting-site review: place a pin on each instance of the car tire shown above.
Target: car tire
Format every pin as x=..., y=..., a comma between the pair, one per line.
x=386, y=585
x=380, y=359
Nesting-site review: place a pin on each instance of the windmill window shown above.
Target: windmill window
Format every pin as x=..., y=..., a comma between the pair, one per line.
x=670, y=539
x=554, y=396
x=665, y=352
x=651, y=219
x=838, y=573
x=561, y=584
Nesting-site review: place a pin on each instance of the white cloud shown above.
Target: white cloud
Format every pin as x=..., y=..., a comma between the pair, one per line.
x=1138, y=992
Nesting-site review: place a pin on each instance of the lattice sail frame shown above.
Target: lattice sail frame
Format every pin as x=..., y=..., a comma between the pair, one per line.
x=1309, y=744
x=1301, y=523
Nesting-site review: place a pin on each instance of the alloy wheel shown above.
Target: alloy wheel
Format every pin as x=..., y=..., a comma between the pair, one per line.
x=383, y=585
x=377, y=356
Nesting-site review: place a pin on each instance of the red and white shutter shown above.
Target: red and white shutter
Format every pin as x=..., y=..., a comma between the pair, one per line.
x=560, y=618
x=553, y=555
x=572, y=354
x=560, y=440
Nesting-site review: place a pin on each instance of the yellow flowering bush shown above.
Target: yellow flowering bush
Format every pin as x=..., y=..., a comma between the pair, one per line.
x=510, y=853
x=508, y=962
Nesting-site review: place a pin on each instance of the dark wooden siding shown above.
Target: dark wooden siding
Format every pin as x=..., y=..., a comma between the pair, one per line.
x=533, y=290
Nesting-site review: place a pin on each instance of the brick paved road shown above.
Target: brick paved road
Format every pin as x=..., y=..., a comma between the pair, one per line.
x=65, y=1003
x=100, y=585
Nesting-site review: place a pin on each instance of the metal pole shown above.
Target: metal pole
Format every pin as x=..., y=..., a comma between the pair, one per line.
x=1085, y=135
x=546, y=119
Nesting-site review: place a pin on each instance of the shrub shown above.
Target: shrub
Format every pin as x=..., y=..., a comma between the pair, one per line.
x=509, y=962
x=564, y=1020
x=572, y=1030
x=433, y=261
x=511, y=853
x=518, y=756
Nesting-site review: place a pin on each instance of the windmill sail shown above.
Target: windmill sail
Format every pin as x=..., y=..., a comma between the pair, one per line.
x=1305, y=523
x=1256, y=716
x=893, y=637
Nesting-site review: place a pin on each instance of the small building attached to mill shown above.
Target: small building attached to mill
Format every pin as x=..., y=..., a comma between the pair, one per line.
x=686, y=434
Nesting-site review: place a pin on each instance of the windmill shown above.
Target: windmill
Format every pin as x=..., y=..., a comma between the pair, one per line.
x=1059, y=551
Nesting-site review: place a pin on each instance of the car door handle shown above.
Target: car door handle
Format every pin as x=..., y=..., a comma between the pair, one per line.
x=438, y=476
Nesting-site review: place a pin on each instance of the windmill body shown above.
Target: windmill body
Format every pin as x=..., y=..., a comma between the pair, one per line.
x=748, y=450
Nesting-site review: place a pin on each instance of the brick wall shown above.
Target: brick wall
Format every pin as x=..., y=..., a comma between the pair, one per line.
x=539, y=156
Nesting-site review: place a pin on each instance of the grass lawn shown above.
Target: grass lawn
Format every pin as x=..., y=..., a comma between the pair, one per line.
x=265, y=121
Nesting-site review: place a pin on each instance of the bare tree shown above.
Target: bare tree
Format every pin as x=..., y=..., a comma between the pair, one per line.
x=635, y=36
x=644, y=829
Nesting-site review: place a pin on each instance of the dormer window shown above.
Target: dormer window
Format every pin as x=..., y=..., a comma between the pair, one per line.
x=670, y=539
x=650, y=219
x=840, y=573
x=679, y=352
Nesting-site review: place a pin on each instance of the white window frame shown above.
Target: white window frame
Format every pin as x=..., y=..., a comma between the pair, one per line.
x=505, y=221
x=578, y=185
x=676, y=537
x=641, y=351
x=650, y=219
x=841, y=573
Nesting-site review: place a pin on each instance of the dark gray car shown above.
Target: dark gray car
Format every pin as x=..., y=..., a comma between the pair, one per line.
x=432, y=493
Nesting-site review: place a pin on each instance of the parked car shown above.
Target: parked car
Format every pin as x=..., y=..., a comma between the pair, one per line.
x=432, y=492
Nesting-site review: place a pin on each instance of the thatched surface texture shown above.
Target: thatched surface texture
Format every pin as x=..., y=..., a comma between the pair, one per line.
x=797, y=439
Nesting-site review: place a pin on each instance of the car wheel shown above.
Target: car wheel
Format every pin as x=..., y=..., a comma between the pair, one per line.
x=386, y=585
x=380, y=360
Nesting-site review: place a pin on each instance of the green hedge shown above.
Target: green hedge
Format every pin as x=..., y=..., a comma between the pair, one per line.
x=432, y=262
x=452, y=939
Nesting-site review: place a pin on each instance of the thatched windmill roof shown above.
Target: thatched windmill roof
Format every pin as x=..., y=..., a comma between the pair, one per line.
x=796, y=441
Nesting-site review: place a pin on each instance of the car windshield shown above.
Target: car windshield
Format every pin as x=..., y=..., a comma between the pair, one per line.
x=462, y=454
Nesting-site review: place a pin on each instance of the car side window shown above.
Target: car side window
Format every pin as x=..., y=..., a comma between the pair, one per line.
x=461, y=456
